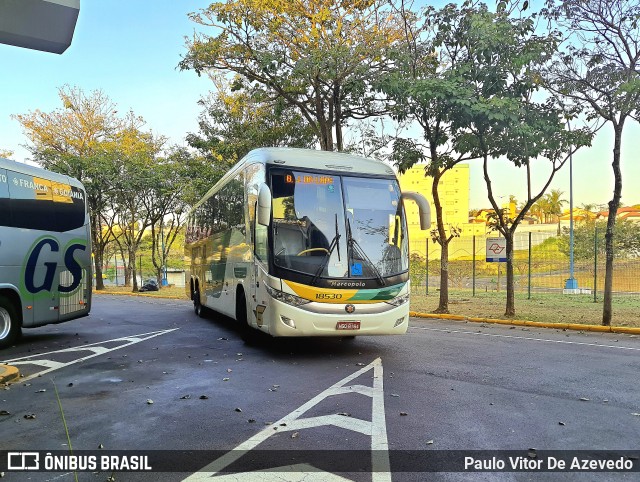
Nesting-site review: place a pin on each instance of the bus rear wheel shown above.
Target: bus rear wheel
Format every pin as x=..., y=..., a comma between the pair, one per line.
x=197, y=305
x=10, y=328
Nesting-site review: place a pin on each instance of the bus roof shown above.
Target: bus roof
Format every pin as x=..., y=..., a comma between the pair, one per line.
x=38, y=172
x=297, y=158
x=313, y=159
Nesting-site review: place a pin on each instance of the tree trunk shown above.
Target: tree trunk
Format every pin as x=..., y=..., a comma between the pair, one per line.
x=127, y=272
x=98, y=251
x=607, y=311
x=338, y=117
x=443, y=303
x=132, y=263
x=324, y=125
x=510, y=310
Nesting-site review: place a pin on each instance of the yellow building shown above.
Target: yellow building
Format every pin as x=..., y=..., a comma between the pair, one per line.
x=454, y=197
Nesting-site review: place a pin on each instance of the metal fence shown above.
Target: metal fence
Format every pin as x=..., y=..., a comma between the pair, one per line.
x=540, y=265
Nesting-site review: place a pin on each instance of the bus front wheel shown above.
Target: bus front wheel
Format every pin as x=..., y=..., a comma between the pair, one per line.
x=9, y=323
x=248, y=334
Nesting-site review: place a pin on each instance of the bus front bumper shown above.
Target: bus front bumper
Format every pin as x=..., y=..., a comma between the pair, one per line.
x=321, y=319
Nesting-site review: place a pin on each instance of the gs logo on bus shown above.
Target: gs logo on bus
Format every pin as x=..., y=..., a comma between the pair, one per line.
x=69, y=262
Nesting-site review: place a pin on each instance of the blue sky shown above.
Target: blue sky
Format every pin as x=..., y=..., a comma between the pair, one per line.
x=127, y=48
x=130, y=50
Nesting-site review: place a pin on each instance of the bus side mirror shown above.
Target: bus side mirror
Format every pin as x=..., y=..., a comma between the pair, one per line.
x=264, y=205
x=423, y=207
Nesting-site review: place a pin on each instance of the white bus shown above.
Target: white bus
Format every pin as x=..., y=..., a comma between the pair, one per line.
x=297, y=242
x=45, y=249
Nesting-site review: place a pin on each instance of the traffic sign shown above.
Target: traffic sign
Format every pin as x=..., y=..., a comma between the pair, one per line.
x=496, y=250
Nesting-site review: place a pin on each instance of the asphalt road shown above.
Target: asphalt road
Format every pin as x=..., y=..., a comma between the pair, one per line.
x=145, y=375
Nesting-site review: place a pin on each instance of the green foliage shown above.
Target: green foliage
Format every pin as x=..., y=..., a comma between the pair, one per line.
x=626, y=240
x=234, y=123
x=319, y=57
x=132, y=182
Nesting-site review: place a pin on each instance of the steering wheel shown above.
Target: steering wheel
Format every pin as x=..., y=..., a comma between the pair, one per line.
x=311, y=250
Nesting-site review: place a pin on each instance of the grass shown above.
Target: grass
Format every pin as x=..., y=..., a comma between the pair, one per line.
x=545, y=307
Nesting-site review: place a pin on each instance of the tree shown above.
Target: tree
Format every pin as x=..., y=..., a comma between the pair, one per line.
x=599, y=70
x=426, y=89
x=627, y=240
x=235, y=122
x=135, y=157
x=70, y=140
x=555, y=203
x=318, y=56
x=177, y=181
x=504, y=117
x=6, y=153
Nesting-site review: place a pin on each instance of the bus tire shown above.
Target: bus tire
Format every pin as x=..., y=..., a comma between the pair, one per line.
x=247, y=333
x=10, y=325
x=197, y=305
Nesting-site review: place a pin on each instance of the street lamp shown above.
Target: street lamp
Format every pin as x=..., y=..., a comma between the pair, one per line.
x=571, y=284
x=164, y=261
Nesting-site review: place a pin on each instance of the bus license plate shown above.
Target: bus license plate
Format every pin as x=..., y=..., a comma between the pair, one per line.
x=348, y=325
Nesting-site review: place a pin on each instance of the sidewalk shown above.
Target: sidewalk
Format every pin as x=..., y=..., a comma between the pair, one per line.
x=8, y=374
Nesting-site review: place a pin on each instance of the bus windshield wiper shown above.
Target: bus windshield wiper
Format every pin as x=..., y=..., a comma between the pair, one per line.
x=354, y=246
x=335, y=244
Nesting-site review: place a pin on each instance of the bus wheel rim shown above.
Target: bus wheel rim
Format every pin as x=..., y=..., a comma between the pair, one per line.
x=5, y=323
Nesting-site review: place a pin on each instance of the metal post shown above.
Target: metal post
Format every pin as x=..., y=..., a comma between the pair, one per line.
x=571, y=283
x=164, y=267
x=427, y=265
x=529, y=290
x=116, y=259
x=474, y=265
x=595, y=265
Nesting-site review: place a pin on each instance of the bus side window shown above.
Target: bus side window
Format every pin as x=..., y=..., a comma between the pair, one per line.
x=31, y=202
x=5, y=205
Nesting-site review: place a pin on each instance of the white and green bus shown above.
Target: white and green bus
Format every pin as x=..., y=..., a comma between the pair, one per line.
x=297, y=242
x=45, y=249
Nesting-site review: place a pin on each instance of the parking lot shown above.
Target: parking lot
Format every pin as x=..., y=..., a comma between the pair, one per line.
x=144, y=375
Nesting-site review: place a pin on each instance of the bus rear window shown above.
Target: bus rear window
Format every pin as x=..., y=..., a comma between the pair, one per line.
x=35, y=203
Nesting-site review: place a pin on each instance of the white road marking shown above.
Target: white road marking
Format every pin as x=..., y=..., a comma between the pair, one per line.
x=376, y=429
x=291, y=473
x=95, y=348
x=544, y=340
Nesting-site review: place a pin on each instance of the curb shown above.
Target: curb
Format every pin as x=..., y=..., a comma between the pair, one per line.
x=537, y=324
x=8, y=374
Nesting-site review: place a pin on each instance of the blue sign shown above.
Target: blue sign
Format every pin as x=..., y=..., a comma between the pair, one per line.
x=356, y=269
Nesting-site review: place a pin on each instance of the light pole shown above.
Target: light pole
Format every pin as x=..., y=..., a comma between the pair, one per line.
x=164, y=266
x=571, y=284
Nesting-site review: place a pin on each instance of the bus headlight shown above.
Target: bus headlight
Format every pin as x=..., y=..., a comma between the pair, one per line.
x=398, y=300
x=287, y=298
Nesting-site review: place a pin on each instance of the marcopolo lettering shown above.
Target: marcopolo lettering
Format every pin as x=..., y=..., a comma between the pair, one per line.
x=69, y=261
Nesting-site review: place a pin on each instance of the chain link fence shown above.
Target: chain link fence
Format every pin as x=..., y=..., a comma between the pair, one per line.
x=541, y=264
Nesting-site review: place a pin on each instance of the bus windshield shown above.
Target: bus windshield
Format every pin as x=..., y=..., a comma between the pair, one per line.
x=333, y=226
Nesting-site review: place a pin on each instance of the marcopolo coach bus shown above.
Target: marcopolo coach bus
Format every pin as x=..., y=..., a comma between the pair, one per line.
x=296, y=242
x=45, y=249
